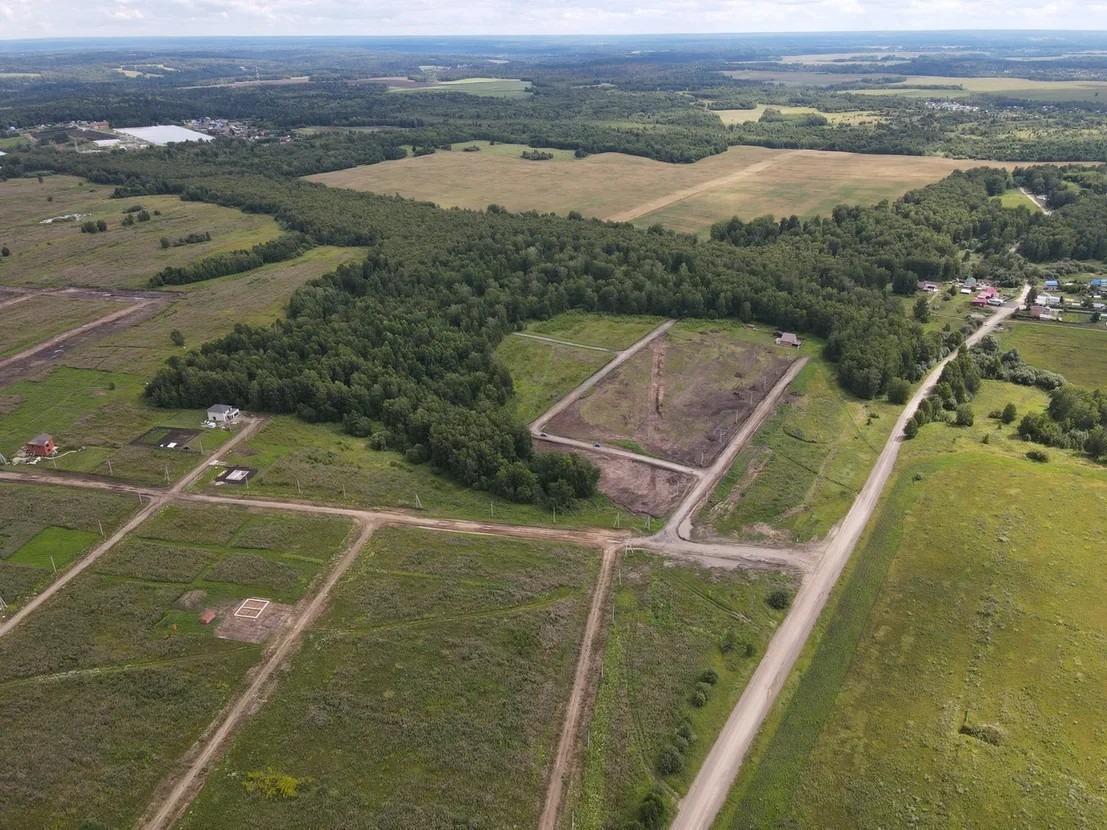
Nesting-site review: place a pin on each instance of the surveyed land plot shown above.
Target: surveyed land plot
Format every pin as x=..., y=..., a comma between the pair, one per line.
x=43, y=529
x=105, y=687
x=322, y=463
x=431, y=692
x=98, y=421
x=39, y=318
x=682, y=396
x=957, y=678
x=744, y=181
x=682, y=642
x=803, y=468
x=40, y=223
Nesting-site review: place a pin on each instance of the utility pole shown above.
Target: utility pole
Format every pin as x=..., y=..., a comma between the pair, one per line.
x=52, y=565
x=166, y=473
x=299, y=492
x=111, y=472
x=418, y=503
x=101, y=526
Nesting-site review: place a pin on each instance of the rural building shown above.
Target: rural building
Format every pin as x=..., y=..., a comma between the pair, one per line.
x=928, y=287
x=207, y=616
x=1048, y=299
x=787, y=338
x=969, y=283
x=221, y=413
x=1097, y=283
x=1041, y=312
x=41, y=446
x=1052, y=284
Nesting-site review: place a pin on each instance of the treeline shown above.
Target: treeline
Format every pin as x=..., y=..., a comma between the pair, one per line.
x=1076, y=419
x=286, y=246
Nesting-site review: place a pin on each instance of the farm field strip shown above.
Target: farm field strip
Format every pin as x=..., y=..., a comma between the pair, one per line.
x=188, y=784
x=560, y=342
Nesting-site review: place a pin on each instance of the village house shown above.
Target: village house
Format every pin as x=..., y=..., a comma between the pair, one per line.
x=221, y=413
x=928, y=287
x=41, y=446
x=1040, y=312
x=1048, y=300
x=787, y=338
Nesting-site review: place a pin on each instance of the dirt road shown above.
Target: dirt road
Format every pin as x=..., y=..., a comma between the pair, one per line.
x=183, y=787
x=555, y=341
x=675, y=196
x=712, y=784
x=158, y=499
x=563, y=763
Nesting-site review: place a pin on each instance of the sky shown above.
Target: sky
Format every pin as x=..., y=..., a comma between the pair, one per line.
x=100, y=18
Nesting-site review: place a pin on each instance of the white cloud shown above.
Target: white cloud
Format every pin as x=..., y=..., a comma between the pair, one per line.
x=70, y=18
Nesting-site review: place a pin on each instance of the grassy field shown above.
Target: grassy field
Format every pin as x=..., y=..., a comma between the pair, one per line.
x=802, y=470
x=744, y=181
x=1044, y=91
x=952, y=310
x=683, y=395
x=485, y=87
x=746, y=116
x=95, y=418
x=319, y=462
x=37, y=522
x=671, y=624
x=205, y=310
x=431, y=694
x=32, y=321
x=1080, y=354
x=956, y=679
x=543, y=372
x=57, y=253
x=104, y=688
x=605, y=331
x=1015, y=198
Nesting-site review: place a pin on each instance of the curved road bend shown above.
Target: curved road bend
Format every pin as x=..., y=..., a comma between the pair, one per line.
x=709, y=790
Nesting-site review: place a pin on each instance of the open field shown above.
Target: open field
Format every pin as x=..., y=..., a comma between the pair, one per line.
x=319, y=462
x=485, y=87
x=1045, y=91
x=1080, y=354
x=683, y=395
x=744, y=181
x=202, y=311
x=95, y=418
x=1015, y=198
x=544, y=372
x=105, y=687
x=32, y=321
x=802, y=470
x=746, y=116
x=39, y=522
x=604, y=331
x=811, y=77
x=430, y=694
x=957, y=677
x=671, y=624
x=57, y=253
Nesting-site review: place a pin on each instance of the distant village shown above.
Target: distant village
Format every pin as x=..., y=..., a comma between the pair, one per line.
x=100, y=136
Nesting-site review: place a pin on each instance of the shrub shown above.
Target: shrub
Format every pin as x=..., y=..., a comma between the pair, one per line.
x=964, y=416
x=1009, y=413
x=652, y=811
x=709, y=676
x=910, y=429
x=1041, y=456
x=271, y=784
x=698, y=699
x=899, y=390
x=5, y=251
x=670, y=761
x=779, y=599
x=176, y=337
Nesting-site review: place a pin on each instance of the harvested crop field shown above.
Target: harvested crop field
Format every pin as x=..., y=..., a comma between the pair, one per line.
x=633, y=485
x=744, y=181
x=681, y=397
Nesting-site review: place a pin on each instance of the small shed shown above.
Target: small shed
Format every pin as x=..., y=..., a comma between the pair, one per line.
x=788, y=338
x=222, y=413
x=1052, y=284
x=41, y=445
x=207, y=616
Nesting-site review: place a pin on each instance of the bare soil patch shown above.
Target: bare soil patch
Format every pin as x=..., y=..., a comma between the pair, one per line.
x=681, y=398
x=247, y=629
x=633, y=485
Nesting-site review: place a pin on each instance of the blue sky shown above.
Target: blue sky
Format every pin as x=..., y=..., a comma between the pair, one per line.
x=76, y=18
